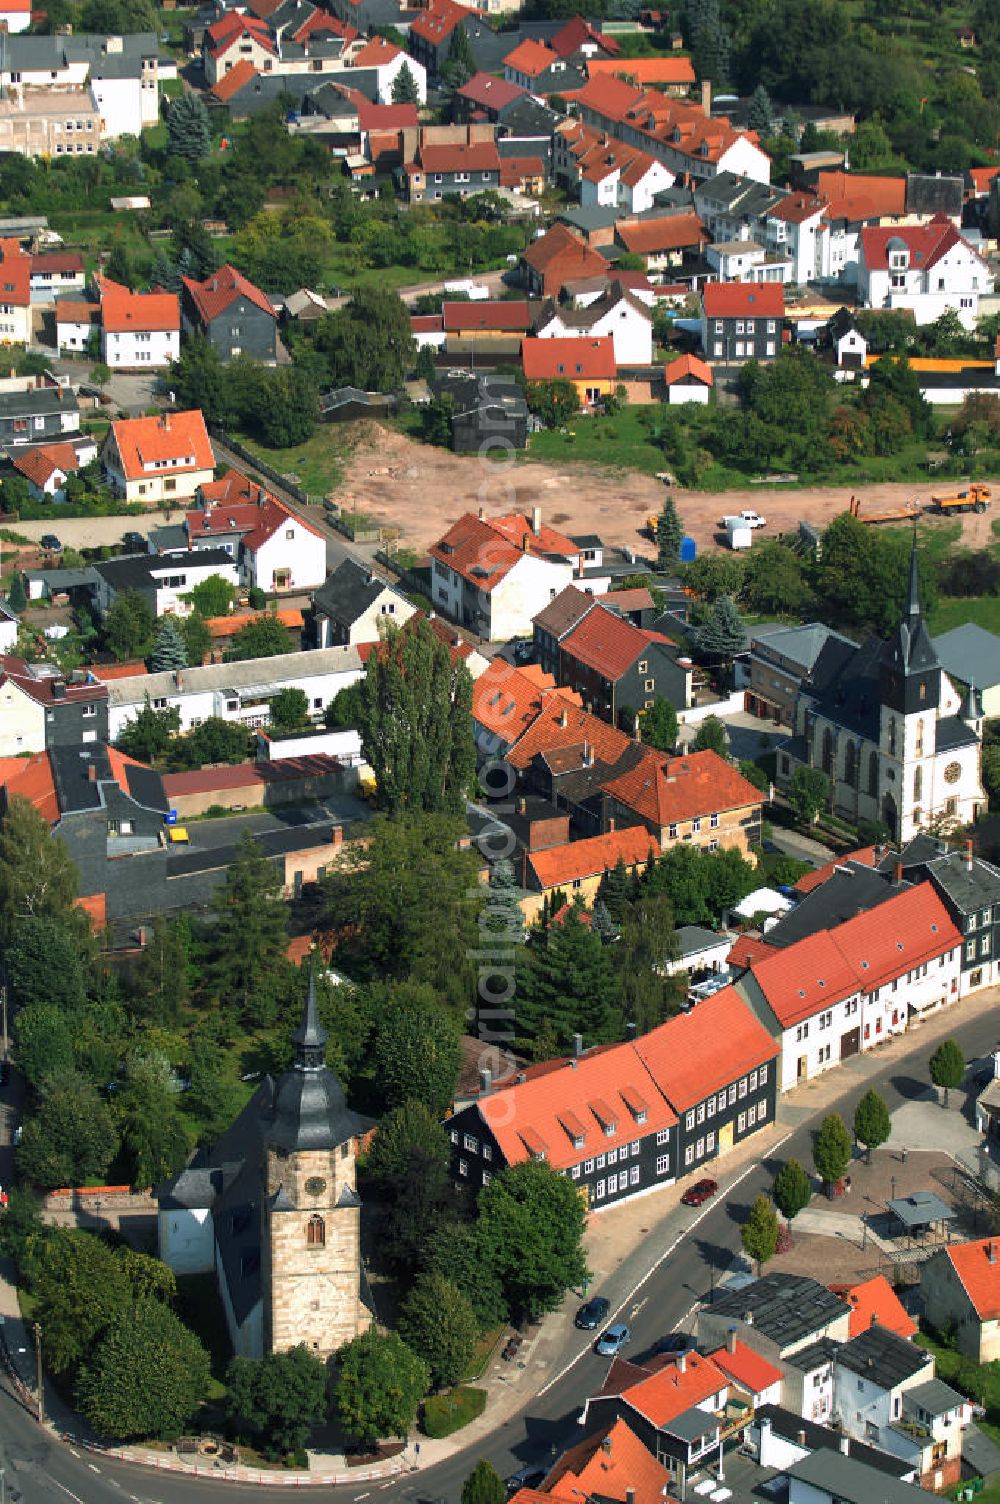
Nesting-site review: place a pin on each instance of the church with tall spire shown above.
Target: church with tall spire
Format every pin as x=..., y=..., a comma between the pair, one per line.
x=896, y=739
x=273, y=1209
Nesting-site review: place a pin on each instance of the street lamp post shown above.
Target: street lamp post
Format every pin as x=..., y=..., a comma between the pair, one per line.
x=40, y=1376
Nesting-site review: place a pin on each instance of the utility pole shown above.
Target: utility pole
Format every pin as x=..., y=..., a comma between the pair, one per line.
x=3, y=1003
x=40, y=1377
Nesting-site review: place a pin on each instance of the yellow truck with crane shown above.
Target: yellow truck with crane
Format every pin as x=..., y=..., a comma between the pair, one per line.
x=976, y=498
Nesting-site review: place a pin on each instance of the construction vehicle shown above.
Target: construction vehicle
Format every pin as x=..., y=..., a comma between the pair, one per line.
x=976, y=499
x=906, y=513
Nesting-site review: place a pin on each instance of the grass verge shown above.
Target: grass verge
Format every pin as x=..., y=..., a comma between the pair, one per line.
x=447, y=1413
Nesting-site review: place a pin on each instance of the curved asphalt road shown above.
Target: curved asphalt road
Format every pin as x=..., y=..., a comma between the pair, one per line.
x=38, y=1470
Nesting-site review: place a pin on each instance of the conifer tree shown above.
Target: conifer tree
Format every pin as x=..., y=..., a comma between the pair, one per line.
x=17, y=597
x=188, y=133
x=169, y=650
x=723, y=634
x=669, y=533
x=404, y=87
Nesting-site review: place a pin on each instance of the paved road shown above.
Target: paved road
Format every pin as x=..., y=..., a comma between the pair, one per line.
x=672, y=1281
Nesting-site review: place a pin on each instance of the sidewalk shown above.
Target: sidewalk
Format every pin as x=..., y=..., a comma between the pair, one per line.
x=623, y=1246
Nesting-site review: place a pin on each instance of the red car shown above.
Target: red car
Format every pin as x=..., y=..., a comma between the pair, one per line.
x=700, y=1192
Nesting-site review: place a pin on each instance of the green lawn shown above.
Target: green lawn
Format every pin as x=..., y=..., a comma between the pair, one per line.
x=447, y=1413
x=621, y=442
x=954, y=611
x=318, y=464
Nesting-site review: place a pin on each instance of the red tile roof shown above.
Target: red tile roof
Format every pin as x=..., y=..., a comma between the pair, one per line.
x=243, y=507
x=574, y=1099
x=644, y=72
x=514, y=316
x=233, y=27
x=15, y=274
x=493, y=93
x=436, y=24
x=762, y=300
x=605, y=641
x=514, y=170
x=796, y=208
x=232, y=82
x=748, y=1369
x=219, y=291
x=607, y=96
x=31, y=778
x=558, y=866
x=875, y=1298
x=856, y=196
x=686, y=1071
x=531, y=58
x=568, y=734
x=376, y=53
x=129, y=670
x=38, y=687
x=664, y=1395
x=559, y=256
x=243, y=774
x=485, y=549
x=57, y=261
x=982, y=177
x=748, y=948
x=123, y=310
x=180, y=439
x=589, y=359
x=474, y=156
x=925, y=243
x=40, y=464
x=804, y=978
x=649, y=237
x=865, y=855
x=68, y=311
x=979, y=1275
x=506, y=700
x=899, y=935
x=667, y=790
x=386, y=117
x=612, y=1464
x=95, y=906
x=687, y=368
x=426, y=323
x=576, y=34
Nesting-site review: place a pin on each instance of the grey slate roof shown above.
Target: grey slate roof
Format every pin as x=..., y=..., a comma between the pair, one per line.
x=802, y=645
x=77, y=791
x=139, y=571
x=970, y=652
x=807, y=1359
x=853, y=1482
x=853, y=889
x=692, y=938
x=882, y=1357
x=348, y=592
x=38, y=402
x=978, y=888
x=283, y=667
x=952, y=733
x=935, y=1397
x=786, y=1307
x=980, y=1452
x=921, y=1209
x=787, y=1424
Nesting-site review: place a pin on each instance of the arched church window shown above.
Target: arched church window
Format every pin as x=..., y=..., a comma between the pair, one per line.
x=918, y=784
x=873, y=776
x=828, y=752
x=850, y=765
x=315, y=1232
x=892, y=735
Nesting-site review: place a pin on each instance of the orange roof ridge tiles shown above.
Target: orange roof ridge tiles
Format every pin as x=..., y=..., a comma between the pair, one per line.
x=558, y=866
x=977, y=1264
x=181, y=439
x=747, y=1368
x=687, y=366
x=215, y=294
x=874, y=1301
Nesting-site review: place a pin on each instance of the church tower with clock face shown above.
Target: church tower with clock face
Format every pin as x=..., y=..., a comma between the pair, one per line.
x=310, y=1246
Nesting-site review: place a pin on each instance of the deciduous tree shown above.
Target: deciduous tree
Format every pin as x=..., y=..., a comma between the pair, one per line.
x=759, y=1233
x=212, y=596
x=249, y=934
x=792, y=1191
x=265, y=637
x=128, y=626
x=148, y=735
x=276, y=1400
x=417, y=1048
x=439, y=1324
x=809, y=791
x=484, y=1485
x=947, y=1066
x=69, y=1137
x=531, y=1222
x=146, y=1376
x=289, y=710
x=872, y=1124
x=711, y=736
x=831, y=1150
x=408, y=1127
x=380, y=1382
x=658, y=725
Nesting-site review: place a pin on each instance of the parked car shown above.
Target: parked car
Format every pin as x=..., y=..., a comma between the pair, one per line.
x=50, y=543
x=590, y=1316
x=700, y=1192
x=677, y=1342
x=611, y=1342
x=748, y=517
x=133, y=542
x=526, y=1477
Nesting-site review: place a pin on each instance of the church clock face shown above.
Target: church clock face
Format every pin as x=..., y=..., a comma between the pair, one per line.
x=315, y=1186
x=953, y=772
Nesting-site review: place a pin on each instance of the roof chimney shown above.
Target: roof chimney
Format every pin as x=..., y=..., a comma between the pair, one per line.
x=91, y=774
x=682, y=1362
x=731, y=1340
x=897, y=872
x=706, y=95
x=564, y=718
x=630, y=1496
x=536, y=520
x=577, y=1045
x=845, y=1445
x=178, y=678
x=991, y=1251
x=522, y=805
x=748, y=1318
x=874, y=1319
x=802, y=1438
x=485, y=1082
x=968, y=856
x=606, y=1444
x=482, y=513
x=165, y=422
x=611, y=826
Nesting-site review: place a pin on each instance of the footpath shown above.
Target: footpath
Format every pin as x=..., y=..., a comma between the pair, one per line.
x=624, y=1248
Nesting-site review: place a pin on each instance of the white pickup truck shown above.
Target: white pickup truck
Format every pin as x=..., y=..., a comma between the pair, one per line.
x=749, y=518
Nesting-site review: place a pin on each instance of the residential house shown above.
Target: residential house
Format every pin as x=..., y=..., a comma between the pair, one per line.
x=842, y=990
x=139, y=330
x=237, y=38
x=78, y=325
x=697, y=798
x=15, y=294
x=873, y=1302
x=430, y=35
x=960, y=1289
x=926, y=269
x=484, y=96
x=558, y=257
x=742, y=321
x=672, y=75
x=488, y=411
x=828, y=1477
x=683, y=135
x=781, y=659
x=163, y=458
x=577, y=868
x=272, y=546
x=35, y=414
x=782, y=1437
x=777, y=1315
x=15, y=15
x=43, y=707
x=619, y=669
x=523, y=175
x=688, y=379
x=536, y=68
x=47, y=467
x=485, y=328
x=234, y=316
x=969, y=888
x=352, y=604
x=54, y=273
x=748, y=1372
x=583, y=41
x=971, y=655
x=610, y=1463
x=617, y=313
x=238, y=692
x=8, y=629
x=677, y=1410
x=588, y=363
x=887, y=726
x=664, y=242
x=493, y=574
x=388, y=61
x=446, y=170
x=165, y=580
x=77, y=89
x=49, y=122
x=611, y=1107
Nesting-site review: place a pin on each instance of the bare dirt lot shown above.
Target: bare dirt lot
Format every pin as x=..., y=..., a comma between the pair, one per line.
x=422, y=490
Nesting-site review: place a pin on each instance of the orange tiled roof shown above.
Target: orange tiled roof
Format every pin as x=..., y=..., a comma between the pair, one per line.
x=605, y=641
x=667, y=789
x=560, y=251
x=977, y=1264
x=927, y=244
x=376, y=52
x=70, y=311
x=762, y=300
x=129, y=670
x=685, y=1070
x=612, y=1464
x=747, y=949
x=858, y=196
x=748, y=1369
x=31, y=778
x=221, y=289
x=506, y=700
x=558, y=866
x=15, y=274
x=95, y=906
x=122, y=310
x=561, y=727
x=40, y=464
x=226, y=626
x=589, y=359
x=436, y=24
x=179, y=439
x=576, y=34
x=485, y=549
x=673, y=232
x=232, y=82
x=644, y=72
x=875, y=1298
x=865, y=855
x=531, y=58
x=687, y=368
x=664, y=1395
x=803, y=978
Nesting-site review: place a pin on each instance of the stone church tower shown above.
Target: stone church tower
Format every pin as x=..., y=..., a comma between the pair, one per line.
x=310, y=1234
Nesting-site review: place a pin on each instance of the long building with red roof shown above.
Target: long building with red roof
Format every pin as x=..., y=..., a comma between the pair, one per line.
x=626, y=1119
